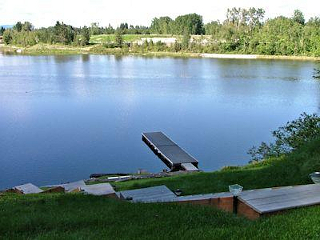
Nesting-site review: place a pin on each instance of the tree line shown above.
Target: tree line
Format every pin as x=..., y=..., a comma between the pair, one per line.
x=243, y=31
x=26, y=35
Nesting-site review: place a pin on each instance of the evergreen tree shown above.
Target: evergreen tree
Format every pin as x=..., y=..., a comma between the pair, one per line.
x=119, y=38
x=84, y=36
x=2, y=29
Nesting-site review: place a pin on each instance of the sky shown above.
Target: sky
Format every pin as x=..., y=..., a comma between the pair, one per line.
x=43, y=13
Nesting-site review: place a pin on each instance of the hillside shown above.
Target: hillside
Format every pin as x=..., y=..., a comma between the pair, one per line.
x=78, y=216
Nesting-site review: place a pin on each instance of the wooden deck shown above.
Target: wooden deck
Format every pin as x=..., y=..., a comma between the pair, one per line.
x=271, y=200
x=102, y=189
x=148, y=195
x=169, y=152
x=28, y=188
x=251, y=204
x=70, y=187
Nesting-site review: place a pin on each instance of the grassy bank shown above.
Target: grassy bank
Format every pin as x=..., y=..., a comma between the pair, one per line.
x=76, y=216
x=47, y=49
x=289, y=170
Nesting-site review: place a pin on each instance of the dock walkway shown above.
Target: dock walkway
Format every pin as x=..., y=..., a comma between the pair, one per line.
x=169, y=152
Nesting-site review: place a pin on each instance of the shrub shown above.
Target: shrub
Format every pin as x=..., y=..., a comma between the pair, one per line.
x=289, y=137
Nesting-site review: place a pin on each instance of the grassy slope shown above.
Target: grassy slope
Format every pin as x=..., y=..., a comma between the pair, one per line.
x=81, y=217
x=291, y=170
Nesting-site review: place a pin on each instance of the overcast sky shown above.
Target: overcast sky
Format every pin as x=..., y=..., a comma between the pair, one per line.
x=138, y=12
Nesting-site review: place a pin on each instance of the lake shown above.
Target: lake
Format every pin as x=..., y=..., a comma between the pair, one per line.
x=65, y=117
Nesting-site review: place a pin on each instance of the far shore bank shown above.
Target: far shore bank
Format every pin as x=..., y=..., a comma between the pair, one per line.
x=46, y=49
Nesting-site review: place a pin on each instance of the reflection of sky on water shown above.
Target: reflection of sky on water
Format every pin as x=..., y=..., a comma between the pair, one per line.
x=65, y=117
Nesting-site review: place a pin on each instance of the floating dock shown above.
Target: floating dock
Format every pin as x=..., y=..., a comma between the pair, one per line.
x=169, y=152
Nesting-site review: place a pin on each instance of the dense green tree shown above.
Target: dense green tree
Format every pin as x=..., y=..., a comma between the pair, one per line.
x=7, y=36
x=27, y=26
x=84, y=36
x=185, y=40
x=192, y=23
x=124, y=26
x=213, y=28
x=63, y=33
x=95, y=29
x=2, y=29
x=255, y=18
x=109, y=30
x=311, y=37
x=298, y=17
x=161, y=25
x=18, y=26
x=243, y=31
x=176, y=46
x=281, y=36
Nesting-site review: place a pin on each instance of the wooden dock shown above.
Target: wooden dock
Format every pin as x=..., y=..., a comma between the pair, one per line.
x=169, y=152
x=251, y=203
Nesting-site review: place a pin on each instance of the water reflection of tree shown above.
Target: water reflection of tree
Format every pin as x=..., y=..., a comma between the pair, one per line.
x=85, y=57
x=316, y=73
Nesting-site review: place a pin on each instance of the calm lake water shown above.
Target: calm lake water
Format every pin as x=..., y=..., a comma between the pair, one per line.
x=65, y=117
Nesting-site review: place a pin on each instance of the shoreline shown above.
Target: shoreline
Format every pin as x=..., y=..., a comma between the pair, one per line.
x=46, y=49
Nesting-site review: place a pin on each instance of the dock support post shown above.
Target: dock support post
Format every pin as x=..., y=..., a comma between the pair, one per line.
x=235, y=204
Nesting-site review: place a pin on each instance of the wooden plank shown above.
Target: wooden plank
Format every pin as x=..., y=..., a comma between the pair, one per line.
x=28, y=188
x=165, y=197
x=246, y=211
x=102, y=189
x=285, y=197
x=289, y=200
x=274, y=192
x=289, y=205
x=159, y=139
x=176, y=154
x=203, y=196
x=58, y=189
x=269, y=192
x=150, y=194
x=189, y=167
x=271, y=200
x=73, y=186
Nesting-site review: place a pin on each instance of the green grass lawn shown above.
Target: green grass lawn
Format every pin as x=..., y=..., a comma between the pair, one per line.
x=105, y=38
x=76, y=216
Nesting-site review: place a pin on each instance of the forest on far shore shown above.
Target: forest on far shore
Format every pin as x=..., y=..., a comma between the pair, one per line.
x=243, y=31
